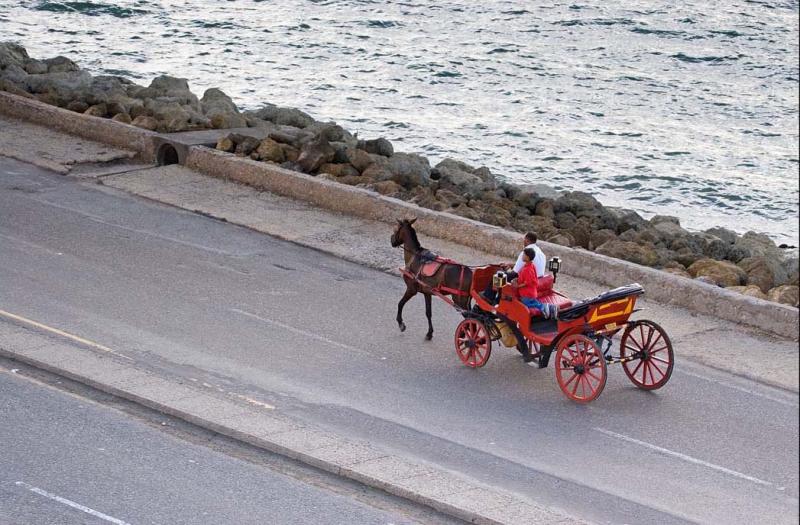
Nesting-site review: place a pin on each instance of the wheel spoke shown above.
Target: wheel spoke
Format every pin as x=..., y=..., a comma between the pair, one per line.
x=658, y=350
x=659, y=338
x=571, y=379
x=660, y=360
x=654, y=366
x=637, y=368
x=599, y=378
x=575, y=387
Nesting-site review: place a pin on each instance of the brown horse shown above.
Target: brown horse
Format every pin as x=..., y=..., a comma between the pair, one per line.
x=448, y=278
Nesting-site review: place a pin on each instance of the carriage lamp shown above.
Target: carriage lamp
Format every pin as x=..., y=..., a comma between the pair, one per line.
x=499, y=280
x=554, y=266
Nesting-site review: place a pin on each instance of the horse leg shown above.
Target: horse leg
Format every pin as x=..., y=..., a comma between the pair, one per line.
x=410, y=292
x=429, y=335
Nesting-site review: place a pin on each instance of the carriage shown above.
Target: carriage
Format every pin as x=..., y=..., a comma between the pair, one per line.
x=582, y=335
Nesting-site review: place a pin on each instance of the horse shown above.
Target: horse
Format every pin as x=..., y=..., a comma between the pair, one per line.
x=448, y=279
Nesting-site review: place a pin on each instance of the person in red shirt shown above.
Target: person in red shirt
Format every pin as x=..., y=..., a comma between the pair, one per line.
x=528, y=285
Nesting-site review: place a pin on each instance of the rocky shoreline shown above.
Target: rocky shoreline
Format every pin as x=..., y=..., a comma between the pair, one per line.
x=750, y=264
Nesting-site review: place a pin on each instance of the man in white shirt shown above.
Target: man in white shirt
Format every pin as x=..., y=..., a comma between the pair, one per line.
x=539, y=262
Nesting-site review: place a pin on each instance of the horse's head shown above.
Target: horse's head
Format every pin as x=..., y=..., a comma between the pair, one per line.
x=403, y=232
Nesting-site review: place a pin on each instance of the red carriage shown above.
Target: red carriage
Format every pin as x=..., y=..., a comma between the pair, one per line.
x=581, y=335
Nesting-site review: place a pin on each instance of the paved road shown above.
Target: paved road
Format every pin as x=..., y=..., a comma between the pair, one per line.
x=315, y=336
x=68, y=460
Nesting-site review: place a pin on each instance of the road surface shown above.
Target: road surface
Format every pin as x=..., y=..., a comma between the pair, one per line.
x=315, y=336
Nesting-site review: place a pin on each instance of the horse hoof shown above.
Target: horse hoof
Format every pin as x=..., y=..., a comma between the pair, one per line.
x=428, y=337
x=402, y=327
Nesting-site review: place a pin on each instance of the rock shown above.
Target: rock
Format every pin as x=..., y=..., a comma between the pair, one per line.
x=755, y=244
x=122, y=117
x=629, y=251
x=626, y=219
x=545, y=208
x=409, y=169
x=270, y=150
x=314, y=154
x=424, y=196
x=63, y=87
x=12, y=54
x=170, y=90
x=543, y=227
x=339, y=170
x=581, y=231
x=738, y=252
x=14, y=89
x=145, y=122
x=665, y=219
x=750, y=290
x=387, y=187
x=16, y=75
x=764, y=272
x=78, y=106
x=785, y=294
x=35, y=67
x=283, y=116
x=379, y=146
x=565, y=219
x=98, y=110
x=290, y=152
x=680, y=272
x=723, y=273
x=687, y=257
x=599, y=237
x=790, y=265
x=714, y=247
x=359, y=159
x=61, y=64
x=450, y=199
x=246, y=146
x=223, y=144
x=629, y=235
x=453, y=177
x=563, y=238
x=221, y=110
x=725, y=234
x=332, y=132
x=669, y=230
x=576, y=201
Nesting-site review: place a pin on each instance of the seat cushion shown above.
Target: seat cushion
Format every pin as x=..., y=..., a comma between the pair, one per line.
x=545, y=285
x=552, y=298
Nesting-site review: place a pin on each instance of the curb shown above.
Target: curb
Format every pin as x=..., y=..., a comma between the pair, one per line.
x=422, y=483
x=778, y=319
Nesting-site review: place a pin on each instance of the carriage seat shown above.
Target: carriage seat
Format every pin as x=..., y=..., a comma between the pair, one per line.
x=548, y=296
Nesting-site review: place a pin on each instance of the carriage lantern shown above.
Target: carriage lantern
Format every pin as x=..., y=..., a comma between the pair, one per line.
x=554, y=266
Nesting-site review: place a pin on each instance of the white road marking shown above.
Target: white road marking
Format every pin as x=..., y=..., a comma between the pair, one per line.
x=299, y=331
x=255, y=402
x=684, y=457
x=72, y=504
x=785, y=402
x=61, y=333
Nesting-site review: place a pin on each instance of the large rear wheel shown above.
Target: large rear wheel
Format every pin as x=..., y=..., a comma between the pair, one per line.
x=580, y=368
x=473, y=343
x=651, y=350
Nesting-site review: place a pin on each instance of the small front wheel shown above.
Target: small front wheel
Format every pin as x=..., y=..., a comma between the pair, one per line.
x=580, y=368
x=649, y=352
x=473, y=343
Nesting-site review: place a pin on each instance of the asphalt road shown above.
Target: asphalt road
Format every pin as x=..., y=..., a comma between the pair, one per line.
x=69, y=460
x=315, y=336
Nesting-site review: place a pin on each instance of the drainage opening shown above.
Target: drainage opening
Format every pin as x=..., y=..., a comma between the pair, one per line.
x=167, y=154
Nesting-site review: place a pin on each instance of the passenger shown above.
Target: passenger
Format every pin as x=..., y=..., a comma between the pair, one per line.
x=527, y=284
x=539, y=261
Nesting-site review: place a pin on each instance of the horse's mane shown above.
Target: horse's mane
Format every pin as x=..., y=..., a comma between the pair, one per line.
x=414, y=237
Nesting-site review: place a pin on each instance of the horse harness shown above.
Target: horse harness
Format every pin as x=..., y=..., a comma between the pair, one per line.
x=430, y=263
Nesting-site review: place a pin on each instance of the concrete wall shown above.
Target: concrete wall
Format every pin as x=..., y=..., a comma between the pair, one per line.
x=92, y=128
x=660, y=286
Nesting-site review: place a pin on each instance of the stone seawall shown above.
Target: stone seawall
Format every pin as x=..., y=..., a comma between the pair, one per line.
x=696, y=296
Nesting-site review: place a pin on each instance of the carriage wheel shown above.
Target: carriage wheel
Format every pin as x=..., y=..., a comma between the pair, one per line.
x=473, y=343
x=580, y=368
x=651, y=348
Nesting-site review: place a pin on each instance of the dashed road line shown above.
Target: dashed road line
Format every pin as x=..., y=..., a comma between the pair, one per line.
x=70, y=503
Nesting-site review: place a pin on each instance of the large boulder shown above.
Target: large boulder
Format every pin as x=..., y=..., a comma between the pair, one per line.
x=269, y=150
x=626, y=219
x=576, y=202
x=62, y=87
x=461, y=178
x=60, y=64
x=409, y=169
x=332, y=132
x=629, y=251
x=283, y=116
x=169, y=89
x=785, y=294
x=600, y=237
x=723, y=233
x=723, y=273
x=11, y=53
x=379, y=146
x=339, y=170
x=753, y=244
x=314, y=154
x=764, y=272
x=221, y=111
